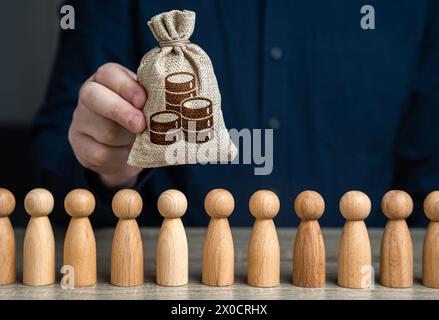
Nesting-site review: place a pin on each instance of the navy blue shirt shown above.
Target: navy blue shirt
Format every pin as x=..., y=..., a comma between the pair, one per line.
x=350, y=108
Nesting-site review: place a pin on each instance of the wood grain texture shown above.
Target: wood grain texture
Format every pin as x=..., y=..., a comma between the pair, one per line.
x=239, y=290
x=309, y=259
x=430, y=256
x=7, y=202
x=39, y=253
x=263, y=248
x=79, y=242
x=396, y=263
x=79, y=203
x=80, y=251
x=127, y=246
x=263, y=255
x=172, y=204
x=219, y=203
x=172, y=254
x=172, y=248
x=39, y=241
x=7, y=252
x=218, y=254
x=127, y=254
x=127, y=204
x=7, y=238
x=354, y=256
x=39, y=202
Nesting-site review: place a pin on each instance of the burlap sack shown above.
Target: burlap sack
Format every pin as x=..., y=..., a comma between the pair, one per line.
x=183, y=110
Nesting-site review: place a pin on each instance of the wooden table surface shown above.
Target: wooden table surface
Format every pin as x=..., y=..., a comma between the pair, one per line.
x=240, y=290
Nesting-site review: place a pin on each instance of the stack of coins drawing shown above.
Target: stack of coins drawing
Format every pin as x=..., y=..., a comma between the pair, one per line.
x=165, y=127
x=197, y=119
x=185, y=111
x=179, y=86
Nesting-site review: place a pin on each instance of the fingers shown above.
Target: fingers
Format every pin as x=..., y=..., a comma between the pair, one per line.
x=122, y=81
x=105, y=121
x=101, y=129
x=107, y=103
x=97, y=156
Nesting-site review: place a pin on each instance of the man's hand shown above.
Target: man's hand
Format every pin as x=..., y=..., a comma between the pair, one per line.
x=105, y=121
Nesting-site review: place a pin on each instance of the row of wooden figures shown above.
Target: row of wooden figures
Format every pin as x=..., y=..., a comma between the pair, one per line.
x=218, y=256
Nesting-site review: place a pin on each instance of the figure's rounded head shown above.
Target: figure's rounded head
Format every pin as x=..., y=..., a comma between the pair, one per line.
x=264, y=204
x=355, y=205
x=7, y=202
x=39, y=202
x=79, y=203
x=397, y=204
x=309, y=205
x=219, y=203
x=431, y=206
x=172, y=204
x=127, y=204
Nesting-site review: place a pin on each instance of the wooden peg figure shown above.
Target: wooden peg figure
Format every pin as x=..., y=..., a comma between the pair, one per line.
x=263, y=249
x=79, y=242
x=127, y=248
x=7, y=238
x=172, y=247
x=218, y=254
x=354, y=255
x=39, y=242
x=430, y=256
x=396, y=246
x=309, y=265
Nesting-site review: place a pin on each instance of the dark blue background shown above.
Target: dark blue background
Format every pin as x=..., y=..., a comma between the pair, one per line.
x=355, y=109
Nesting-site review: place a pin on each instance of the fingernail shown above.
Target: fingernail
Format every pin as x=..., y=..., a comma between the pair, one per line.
x=134, y=122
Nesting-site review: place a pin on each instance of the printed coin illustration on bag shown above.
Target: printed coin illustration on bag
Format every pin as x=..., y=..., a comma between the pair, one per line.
x=183, y=109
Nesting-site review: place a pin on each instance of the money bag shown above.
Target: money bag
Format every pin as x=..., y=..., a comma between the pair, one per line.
x=185, y=124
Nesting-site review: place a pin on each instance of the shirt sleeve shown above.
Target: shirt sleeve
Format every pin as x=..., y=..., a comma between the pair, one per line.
x=103, y=33
x=417, y=153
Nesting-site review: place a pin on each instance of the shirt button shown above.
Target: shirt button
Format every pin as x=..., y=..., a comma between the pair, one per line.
x=274, y=123
x=276, y=53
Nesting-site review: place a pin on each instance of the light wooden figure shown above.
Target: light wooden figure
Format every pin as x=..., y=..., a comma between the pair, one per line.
x=7, y=238
x=354, y=255
x=430, y=256
x=309, y=265
x=396, y=246
x=39, y=242
x=218, y=254
x=79, y=242
x=127, y=248
x=263, y=249
x=172, y=247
